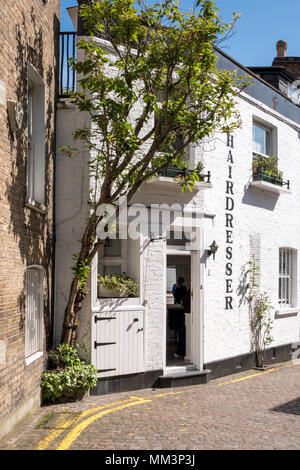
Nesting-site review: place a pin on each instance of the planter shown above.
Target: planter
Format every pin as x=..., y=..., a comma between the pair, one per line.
x=172, y=172
x=268, y=178
x=110, y=293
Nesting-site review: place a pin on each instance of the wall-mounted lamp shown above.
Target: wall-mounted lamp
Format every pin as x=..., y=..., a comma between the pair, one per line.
x=213, y=249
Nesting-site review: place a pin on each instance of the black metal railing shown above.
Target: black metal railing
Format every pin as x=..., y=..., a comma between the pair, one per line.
x=263, y=176
x=173, y=172
x=67, y=76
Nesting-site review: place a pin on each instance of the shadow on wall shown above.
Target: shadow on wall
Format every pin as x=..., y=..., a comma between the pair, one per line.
x=33, y=230
x=259, y=198
x=242, y=287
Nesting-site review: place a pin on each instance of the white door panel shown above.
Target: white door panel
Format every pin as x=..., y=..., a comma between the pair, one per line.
x=118, y=343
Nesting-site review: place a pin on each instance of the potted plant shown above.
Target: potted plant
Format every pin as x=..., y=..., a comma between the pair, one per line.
x=67, y=377
x=199, y=170
x=117, y=285
x=266, y=169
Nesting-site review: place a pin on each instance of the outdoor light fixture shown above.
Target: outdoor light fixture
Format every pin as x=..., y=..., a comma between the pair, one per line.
x=107, y=242
x=213, y=249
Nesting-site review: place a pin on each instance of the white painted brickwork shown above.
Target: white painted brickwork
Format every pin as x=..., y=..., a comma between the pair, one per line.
x=275, y=218
x=262, y=223
x=154, y=294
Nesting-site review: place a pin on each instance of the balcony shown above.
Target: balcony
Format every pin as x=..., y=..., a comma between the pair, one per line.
x=67, y=76
x=171, y=177
x=269, y=183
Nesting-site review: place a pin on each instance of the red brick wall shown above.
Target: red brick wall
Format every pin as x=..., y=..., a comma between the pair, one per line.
x=28, y=33
x=291, y=64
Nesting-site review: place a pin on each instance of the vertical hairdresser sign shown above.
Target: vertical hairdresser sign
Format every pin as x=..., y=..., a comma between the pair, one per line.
x=229, y=212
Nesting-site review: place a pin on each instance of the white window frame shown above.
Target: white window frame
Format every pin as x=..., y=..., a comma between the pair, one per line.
x=112, y=260
x=189, y=150
x=287, y=278
x=35, y=193
x=30, y=354
x=269, y=131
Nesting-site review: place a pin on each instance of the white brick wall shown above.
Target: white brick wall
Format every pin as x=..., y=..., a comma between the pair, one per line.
x=154, y=293
x=273, y=218
x=262, y=223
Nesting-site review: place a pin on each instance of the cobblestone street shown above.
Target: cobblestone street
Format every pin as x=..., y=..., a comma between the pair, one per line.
x=251, y=410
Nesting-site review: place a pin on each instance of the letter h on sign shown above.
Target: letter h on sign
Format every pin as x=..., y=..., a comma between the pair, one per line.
x=230, y=141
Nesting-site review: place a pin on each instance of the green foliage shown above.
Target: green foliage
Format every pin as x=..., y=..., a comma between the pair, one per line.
x=63, y=356
x=68, y=151
x=260, y=313
x=166, y=67
x=150, y=86
x=263, y=309
x=200, y=167
x=81, y=269
x=45, y=420
x=268, y=165
x=68, y=377
x=121, y=283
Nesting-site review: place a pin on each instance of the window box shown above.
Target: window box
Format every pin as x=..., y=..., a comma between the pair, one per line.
x=173, y=172
x=269, y=183
x=170, y=176
x=266, y=177
x=105, y=293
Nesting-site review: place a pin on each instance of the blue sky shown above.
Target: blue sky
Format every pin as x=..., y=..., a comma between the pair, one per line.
x=262, y=23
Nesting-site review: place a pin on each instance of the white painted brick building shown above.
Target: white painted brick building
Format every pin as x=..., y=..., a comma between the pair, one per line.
x=263, y=219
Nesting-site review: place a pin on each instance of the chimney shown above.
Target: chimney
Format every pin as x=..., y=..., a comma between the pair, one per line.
x=281, y=47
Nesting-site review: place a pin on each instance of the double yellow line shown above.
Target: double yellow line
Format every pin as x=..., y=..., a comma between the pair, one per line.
x=93, y=414
x=75, y=432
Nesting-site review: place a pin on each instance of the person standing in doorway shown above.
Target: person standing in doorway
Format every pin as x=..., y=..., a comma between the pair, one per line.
x=180, y=291
x=179, y=296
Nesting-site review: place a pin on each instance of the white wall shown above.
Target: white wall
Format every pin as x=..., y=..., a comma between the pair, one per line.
x=72, y=192
x=272, y=219
x=275, y=218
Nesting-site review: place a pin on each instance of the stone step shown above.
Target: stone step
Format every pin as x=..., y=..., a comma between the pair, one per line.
x=181, y=379
x=171, y=370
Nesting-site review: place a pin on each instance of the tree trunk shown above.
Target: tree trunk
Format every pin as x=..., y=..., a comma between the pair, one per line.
x=88, y=250
x=77, y=294
x=69, y=325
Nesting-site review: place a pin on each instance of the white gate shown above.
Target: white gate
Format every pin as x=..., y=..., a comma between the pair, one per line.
x=118, y=342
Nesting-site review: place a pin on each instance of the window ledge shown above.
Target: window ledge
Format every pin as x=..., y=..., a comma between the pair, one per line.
x=169, y=181
x=286, y=312
x=117, y=303
x=35, y=205
x=33, y=357
x=269, y=187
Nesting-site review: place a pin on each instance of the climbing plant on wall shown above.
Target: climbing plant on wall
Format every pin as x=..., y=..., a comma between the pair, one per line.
x=259, y=313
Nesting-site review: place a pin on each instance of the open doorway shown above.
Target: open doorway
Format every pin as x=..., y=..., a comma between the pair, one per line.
x=178, y=292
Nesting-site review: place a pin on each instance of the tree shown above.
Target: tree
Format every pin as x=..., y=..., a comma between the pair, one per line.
x=259, y=313
x=166, y=71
